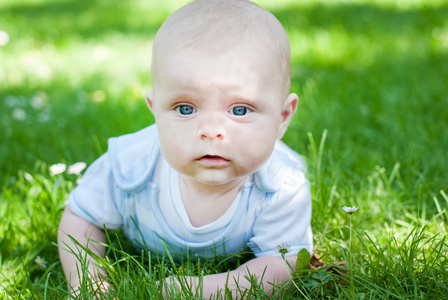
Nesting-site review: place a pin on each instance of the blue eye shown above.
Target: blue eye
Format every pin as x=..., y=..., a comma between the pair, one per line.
x=240, y=110
x=185, y=109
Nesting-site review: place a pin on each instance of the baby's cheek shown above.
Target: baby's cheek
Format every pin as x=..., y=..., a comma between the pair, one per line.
x=174, y=134
x=251, y=159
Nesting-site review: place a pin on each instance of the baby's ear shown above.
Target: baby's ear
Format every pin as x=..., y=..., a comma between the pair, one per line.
x=149, y=99
x=288, y=109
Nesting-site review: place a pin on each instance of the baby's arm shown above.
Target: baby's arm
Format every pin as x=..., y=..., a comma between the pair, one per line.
x=84, y=233
x=267, y=269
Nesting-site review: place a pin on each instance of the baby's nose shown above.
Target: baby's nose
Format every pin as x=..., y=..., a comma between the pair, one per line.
x=212, y=128
x=212, y=136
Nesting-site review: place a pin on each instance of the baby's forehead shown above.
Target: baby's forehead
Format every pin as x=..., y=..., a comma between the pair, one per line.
x=204, y=62
x=235, y=54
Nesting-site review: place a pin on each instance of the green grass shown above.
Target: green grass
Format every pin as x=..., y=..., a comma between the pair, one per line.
x=371, y=77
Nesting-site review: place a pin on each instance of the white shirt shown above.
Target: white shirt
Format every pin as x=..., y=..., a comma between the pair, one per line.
x=132, y=187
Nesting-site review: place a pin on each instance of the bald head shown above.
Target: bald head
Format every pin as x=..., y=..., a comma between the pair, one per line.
x=213, y=27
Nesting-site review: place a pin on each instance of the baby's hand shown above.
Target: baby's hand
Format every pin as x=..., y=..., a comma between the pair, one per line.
x=172, y=286
x=169, y=285
x=100, y=288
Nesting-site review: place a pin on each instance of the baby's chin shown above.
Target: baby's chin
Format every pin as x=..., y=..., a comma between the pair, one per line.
x=217, y=181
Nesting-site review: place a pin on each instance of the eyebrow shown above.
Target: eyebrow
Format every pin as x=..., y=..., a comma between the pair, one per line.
x=179, y=97
x=245, y=100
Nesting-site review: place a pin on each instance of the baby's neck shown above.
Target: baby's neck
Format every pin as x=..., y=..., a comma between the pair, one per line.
x=206, y=203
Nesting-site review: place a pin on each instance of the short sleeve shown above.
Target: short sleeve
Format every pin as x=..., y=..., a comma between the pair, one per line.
x=285, y=218
x=97, y=198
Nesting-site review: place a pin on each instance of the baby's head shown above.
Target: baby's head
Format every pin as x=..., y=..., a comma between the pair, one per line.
x=221, y=80
x=211, y=27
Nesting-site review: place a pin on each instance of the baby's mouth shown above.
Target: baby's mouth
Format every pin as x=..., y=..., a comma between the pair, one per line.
x=213, y=161
x=213, y=156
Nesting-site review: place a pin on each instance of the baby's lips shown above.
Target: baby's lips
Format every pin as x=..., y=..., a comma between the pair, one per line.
x=213, y=161
x=213, y=157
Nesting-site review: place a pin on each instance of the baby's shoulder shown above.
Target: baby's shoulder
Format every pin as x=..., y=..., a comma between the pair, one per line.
x=285, y=167
x=133, y=158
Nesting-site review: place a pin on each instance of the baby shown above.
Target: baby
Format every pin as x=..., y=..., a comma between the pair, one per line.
x=211, y=176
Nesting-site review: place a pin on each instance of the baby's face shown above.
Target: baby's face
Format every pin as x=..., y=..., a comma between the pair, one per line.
x=218, y=117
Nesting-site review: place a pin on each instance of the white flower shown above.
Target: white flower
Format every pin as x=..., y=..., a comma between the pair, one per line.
x=11, y=101
x=350, y=210
x=19, y=114
x=76, y=168
x=41, y=262
x=4, y=38
x=28, y=176
x=57, y=169
x=283, y=248
x=39, y=100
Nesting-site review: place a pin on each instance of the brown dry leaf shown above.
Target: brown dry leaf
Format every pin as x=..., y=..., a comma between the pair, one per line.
x=315, y=261
x=338, y=268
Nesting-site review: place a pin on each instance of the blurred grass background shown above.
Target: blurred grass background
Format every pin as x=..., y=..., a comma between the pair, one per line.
x=373, y=73
x=372, y=121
